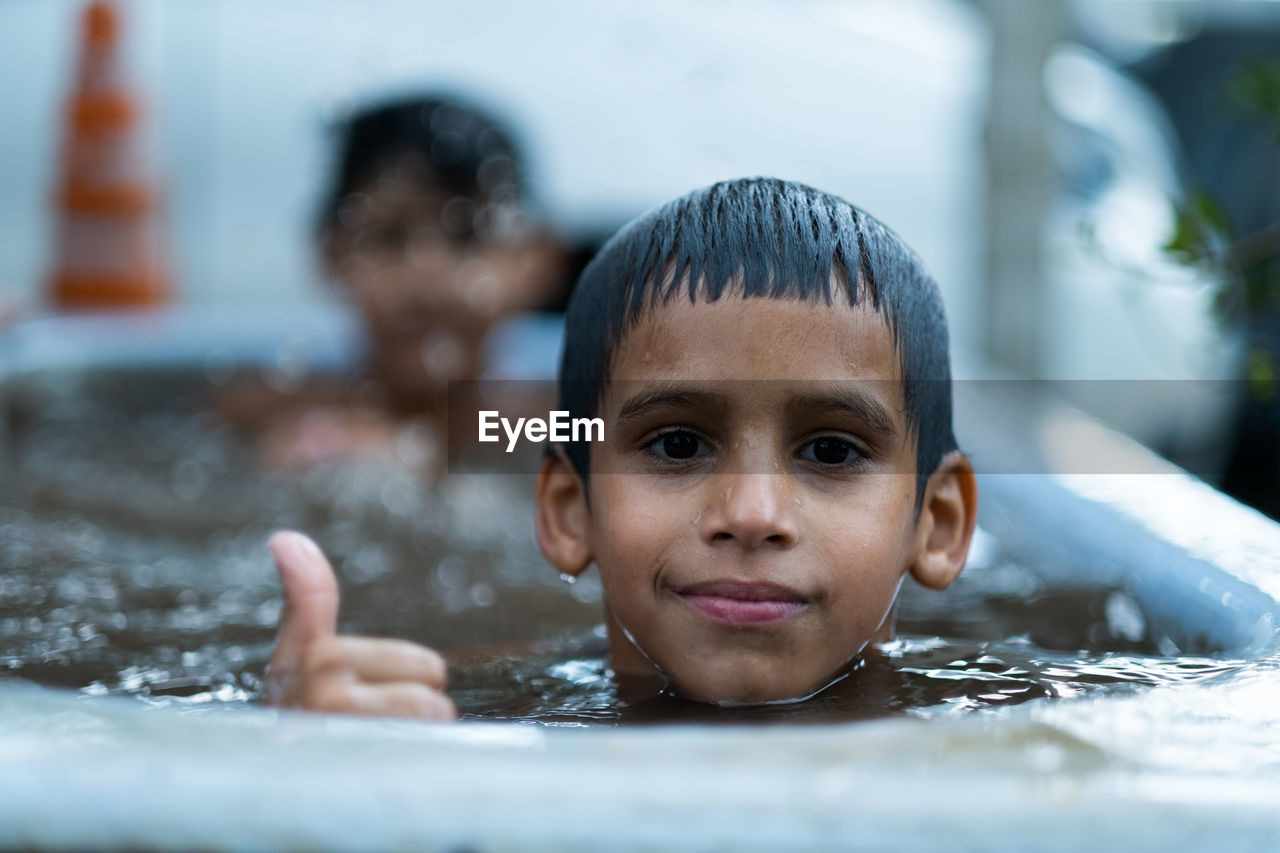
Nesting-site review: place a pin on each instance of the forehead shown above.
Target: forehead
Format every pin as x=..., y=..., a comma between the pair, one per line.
x=736, y=338
x=404, y=178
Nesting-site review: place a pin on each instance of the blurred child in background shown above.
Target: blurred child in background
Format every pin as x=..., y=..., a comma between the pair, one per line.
x=425, y=230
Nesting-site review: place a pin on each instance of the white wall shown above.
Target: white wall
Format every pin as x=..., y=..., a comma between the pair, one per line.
x=621, y=106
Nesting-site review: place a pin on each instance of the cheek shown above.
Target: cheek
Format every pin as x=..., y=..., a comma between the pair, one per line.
x=866, y=544
x=632, y=526
x=376, y=288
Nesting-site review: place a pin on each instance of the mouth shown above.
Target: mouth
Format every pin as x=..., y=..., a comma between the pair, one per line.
x=743, y=604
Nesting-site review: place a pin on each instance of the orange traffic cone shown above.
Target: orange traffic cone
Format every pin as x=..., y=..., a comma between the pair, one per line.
x=107, y=240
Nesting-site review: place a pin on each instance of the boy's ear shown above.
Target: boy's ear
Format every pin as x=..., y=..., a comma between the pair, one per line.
x=562, y=518
x=947, y=518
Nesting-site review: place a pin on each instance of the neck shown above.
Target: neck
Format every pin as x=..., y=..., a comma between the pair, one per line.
x=627, y=661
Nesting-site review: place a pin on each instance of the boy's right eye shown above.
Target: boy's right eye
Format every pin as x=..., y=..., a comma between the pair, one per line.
x=678, y=445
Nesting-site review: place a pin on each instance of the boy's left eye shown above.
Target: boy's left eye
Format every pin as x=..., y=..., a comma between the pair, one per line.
x=830, y=450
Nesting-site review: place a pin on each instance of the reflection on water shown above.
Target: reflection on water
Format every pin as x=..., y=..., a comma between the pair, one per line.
x=924, y=677
x=132, y=561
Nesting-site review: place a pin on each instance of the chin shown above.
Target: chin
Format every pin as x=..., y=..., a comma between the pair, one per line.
x=748, y=688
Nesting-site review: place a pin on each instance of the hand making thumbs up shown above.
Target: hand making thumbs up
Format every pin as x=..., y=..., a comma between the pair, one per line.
x=314, y=668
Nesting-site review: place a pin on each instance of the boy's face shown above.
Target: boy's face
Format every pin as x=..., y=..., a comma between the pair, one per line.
x=752, y=508
x=426, y=284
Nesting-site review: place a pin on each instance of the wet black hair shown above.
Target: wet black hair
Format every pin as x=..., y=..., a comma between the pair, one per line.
x=467, y=152
x=761, y=238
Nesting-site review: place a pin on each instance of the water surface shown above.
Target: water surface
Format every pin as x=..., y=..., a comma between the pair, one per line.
x=132, y=561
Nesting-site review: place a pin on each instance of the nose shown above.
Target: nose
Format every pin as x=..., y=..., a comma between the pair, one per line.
x=754, y=510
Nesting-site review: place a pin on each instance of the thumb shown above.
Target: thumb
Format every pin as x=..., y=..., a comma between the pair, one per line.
x=310, y=596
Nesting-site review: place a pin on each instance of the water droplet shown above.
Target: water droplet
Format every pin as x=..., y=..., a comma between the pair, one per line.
x=483, y=294
x=442, y=354
x=482, y=594
x=450, y=572
x=568, y=578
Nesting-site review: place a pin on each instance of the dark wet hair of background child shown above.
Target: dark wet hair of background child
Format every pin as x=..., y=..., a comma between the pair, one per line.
x=468, y=153
x=763, y=238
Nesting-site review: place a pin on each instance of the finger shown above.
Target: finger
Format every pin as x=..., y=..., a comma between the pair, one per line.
x=394, y=699
x=399, y=699
x=310, y=596
x=374, y=659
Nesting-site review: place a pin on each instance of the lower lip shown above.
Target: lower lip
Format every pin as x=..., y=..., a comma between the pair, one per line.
x=740, y=612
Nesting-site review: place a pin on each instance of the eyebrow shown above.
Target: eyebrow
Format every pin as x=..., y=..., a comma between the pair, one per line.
x=851, y=402
x=667, y=395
